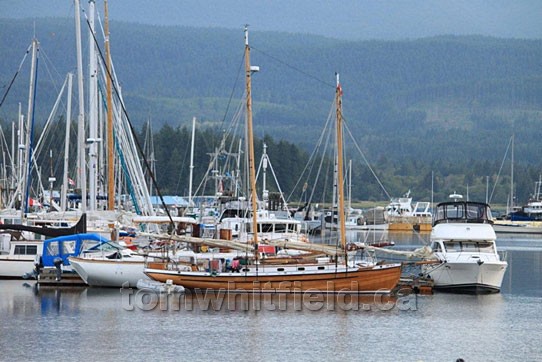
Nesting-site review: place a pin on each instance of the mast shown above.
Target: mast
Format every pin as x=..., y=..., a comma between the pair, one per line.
x=81, y=163
x=110, y=143
x=340, y=177
x=190, y=203
x=250, y=141
x=265, y=193
x=92, y=110
x=512, y=177
x=67, y=144
x=20, y=150
x=30, y=128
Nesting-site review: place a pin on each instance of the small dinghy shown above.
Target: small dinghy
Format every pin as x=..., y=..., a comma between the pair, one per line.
x=167, y=287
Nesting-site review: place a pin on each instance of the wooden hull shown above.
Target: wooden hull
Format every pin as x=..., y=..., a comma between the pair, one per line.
x=378, y=279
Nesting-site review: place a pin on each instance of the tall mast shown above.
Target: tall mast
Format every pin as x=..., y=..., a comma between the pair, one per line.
x=92, y=110
x=29, y=128
x=110, y=143
x=190, y=203
x=250, y=141
x=67, y=144
x=81, y=158
x=340, y=177
x=512, y=177
x=265, y=193
x=20, y=148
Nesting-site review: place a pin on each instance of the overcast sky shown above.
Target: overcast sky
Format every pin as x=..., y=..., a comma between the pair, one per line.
x=347, y=19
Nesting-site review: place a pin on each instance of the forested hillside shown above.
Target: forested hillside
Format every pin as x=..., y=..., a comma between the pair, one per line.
x=445, y=105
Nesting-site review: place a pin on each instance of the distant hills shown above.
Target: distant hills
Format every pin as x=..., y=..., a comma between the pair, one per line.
x=449, y=98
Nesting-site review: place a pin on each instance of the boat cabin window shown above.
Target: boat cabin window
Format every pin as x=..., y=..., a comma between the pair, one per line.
x=53, y=248
x=436, y=247
x=455, y=211
x=26, y=249
x=69, y=247
x=280, y=228
x=451, y=246
x=479, y=246
x=292, y=228
x=265, y=228
x=108, y=246
x=476, y=212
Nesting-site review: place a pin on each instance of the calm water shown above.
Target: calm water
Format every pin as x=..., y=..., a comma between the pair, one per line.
x=105, y=324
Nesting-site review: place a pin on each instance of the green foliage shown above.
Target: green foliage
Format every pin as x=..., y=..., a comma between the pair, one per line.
x=442, y=106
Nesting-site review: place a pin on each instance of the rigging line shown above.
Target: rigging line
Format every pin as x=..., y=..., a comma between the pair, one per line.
x=365, y=159
x=233, y=89
x=500, y=169
x=5, y=146
x=50, y=70
x=295, y=68
x=15, y=75
x=313, y=157
x=132, y=130
x=324, y=160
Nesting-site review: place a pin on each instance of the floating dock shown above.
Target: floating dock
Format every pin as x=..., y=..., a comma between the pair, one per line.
x=49, y=277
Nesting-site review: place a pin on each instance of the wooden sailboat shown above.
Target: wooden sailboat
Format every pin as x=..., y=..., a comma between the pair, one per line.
x=253, y=275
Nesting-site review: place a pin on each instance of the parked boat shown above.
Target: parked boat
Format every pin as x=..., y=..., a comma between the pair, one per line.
x=47, y=260
x=402, y=216
x=17, y=257
x=110, y=266
x=532, y=211
x=168, y=287
x=327, y=274
x=463, y=240
x=21, y=245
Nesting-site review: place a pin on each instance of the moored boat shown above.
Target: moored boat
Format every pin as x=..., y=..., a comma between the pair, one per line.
x=463, y=240
x=326, y=275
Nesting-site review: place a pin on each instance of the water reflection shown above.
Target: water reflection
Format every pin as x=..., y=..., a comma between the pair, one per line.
x=235, y=302
x=45, y=323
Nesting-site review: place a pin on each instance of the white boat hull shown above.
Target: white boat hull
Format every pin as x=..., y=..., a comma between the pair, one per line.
x=468, y=276
x=518, y=227
x=109, y=273
x=11, y=268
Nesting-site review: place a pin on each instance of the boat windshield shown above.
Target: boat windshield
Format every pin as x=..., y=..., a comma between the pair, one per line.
x=470, y=246
x=106, y=246
x=463, y=212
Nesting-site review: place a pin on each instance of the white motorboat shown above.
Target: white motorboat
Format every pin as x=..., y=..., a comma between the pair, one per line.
x=463, y=240
x=18, y=257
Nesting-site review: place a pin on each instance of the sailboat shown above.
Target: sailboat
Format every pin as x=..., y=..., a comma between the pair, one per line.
x=327, y=274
